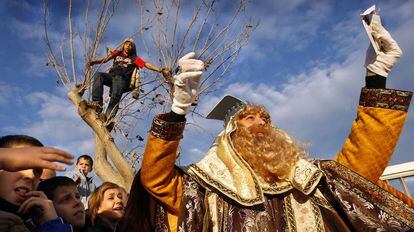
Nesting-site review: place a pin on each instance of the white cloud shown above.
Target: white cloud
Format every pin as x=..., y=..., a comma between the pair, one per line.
x=194, y=155
x=10, y=94
x=58, y=125
x=319, y=104
x=287, y=23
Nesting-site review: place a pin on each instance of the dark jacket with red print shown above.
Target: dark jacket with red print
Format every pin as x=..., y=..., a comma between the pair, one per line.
x=124, y=64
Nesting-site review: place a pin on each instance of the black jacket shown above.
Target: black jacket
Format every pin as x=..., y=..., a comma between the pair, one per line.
x=100, y=226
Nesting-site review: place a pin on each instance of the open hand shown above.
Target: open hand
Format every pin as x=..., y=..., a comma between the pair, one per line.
x=186, y=83
x=16, y=159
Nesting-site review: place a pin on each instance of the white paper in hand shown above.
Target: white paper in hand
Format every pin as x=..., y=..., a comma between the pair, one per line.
x=370, y=19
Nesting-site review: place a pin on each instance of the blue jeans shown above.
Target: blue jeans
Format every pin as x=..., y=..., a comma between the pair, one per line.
x=118, y=85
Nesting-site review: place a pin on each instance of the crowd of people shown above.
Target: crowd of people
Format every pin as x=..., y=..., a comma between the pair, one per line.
x=33, y=201
x=253, y=178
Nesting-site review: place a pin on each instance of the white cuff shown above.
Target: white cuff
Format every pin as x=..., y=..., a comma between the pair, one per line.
x=179, y=108
x=375, y=69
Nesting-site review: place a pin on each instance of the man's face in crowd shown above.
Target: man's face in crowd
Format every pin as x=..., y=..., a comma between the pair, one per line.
x=15, y=185
x=69, y=206
x=113, y=205
x=84, y=165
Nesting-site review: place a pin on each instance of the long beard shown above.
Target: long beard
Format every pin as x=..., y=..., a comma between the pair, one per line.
x=266, y=150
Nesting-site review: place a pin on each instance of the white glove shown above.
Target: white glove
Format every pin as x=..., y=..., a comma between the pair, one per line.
x=186, y=83
x=389, y=52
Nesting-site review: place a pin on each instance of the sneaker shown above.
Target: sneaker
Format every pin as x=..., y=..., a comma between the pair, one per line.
x=135, y=93
x=195, y=101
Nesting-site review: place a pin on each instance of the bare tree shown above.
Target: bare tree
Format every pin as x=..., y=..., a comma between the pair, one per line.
x=167, y=30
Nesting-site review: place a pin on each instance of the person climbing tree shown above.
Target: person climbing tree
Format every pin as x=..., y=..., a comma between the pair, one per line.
x=119, y=76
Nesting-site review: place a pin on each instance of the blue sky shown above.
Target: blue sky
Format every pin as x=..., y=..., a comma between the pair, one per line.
x=304, y=62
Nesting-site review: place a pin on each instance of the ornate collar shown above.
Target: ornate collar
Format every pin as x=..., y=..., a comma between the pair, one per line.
x=224, y=170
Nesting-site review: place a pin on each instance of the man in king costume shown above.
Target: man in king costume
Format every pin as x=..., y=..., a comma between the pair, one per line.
x=254, y=178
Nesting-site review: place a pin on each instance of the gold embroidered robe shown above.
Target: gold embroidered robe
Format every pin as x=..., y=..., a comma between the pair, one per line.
x=199, y=198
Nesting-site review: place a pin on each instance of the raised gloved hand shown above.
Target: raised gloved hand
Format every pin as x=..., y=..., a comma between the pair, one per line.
x=186, y=83
x=389, y=51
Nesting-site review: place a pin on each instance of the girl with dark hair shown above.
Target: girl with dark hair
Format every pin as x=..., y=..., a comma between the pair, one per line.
x=119, y=76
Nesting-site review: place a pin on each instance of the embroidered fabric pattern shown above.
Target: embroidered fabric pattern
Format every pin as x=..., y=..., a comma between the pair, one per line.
x=255, y=221
x=214, y=205
x=303, y=213
x=169, y=131
x=276, y=189
x=385, y=98
x=318, y=217
x=306, y=176
x=289, y=215
x=160, y=220
x=357, y=187
x=252, y=219
x=364, y=215
x=227, y=191
x=319, y=199
x=192, y=207
x=312, y=182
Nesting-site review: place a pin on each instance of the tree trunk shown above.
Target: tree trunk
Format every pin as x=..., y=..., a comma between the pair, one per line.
x=103, y=168
x=123, y=174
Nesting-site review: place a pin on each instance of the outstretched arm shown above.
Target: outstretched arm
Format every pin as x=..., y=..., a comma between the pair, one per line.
x=101, y=60
x=16, y=159
x=375, y=131
x=381, y=114
x=158, y=174
x=152, y=67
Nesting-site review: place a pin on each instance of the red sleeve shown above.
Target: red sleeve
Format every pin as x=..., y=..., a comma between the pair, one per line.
x=114, y=52
x=139, y=62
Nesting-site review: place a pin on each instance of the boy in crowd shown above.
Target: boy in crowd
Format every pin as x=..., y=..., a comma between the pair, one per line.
x=86, y=184
x=21, y=207
x=65, y=196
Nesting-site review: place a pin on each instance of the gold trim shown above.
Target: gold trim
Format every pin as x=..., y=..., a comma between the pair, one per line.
x=305, y=176
x=222, y=189
x=315, y=178
x=289, y=214
x=318, y=217
x=319, y=199
x=225, y=215
x=169, y=131
x=296, y=205
x=385, y=98
x=224, y=170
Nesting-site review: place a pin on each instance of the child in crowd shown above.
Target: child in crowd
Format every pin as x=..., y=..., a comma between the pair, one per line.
x=21, y=207
x=107, y=207
x=65, y=196
x=86, y=184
